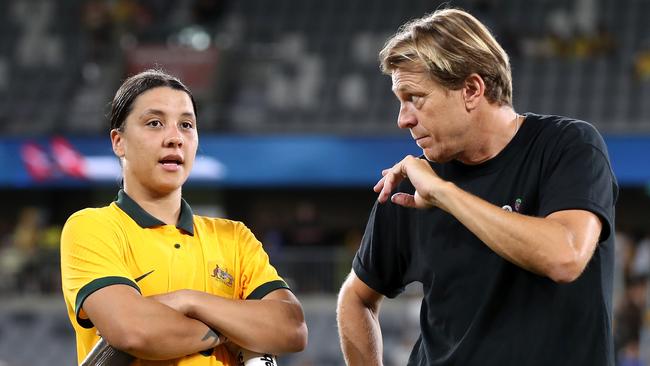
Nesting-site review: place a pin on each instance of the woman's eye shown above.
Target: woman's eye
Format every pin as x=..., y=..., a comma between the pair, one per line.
x=154, y=123
x=187, y=125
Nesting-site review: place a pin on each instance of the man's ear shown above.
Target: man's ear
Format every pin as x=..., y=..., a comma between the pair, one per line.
x=117, y=142
x=473, y=90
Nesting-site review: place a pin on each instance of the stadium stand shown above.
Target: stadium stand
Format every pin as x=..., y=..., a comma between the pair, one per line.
x=311, y=66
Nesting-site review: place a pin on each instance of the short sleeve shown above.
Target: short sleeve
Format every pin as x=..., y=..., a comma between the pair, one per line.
x=258, y=277
x=379, y=262
x=91, y=258
x=580, y=177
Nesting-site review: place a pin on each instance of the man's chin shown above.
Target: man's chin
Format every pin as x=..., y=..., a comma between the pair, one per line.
x=435, y=158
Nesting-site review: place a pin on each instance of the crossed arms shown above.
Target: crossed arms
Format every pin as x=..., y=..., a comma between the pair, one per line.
x=184, y=322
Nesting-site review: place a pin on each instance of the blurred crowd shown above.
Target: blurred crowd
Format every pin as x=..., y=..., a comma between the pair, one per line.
x=109, y=24
x=632, y=299
x=260, y=69
x=29, y=253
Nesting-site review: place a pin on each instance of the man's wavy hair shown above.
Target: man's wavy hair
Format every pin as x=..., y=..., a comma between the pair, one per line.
x=451, y=44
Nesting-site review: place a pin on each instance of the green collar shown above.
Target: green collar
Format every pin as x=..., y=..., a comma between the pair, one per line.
x=145, y=220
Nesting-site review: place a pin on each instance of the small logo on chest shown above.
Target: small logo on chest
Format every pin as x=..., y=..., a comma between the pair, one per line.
x=516, y=208
x=222, y=275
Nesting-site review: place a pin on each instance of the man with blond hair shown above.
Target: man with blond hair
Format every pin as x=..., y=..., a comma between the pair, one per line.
x=506, y=219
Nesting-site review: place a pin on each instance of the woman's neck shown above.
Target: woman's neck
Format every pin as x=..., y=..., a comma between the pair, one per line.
x=164, y=207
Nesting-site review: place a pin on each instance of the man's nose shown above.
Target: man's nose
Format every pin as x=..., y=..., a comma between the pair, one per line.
x=406, y=117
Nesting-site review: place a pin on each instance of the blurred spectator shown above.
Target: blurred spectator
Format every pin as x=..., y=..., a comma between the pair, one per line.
x=29, y=256
x=27, y=230
x=307, y=229
x=572, y=35
x=208, y=13
x=642, y=62
x=36, y=44
x=634, y=262
x=17, y=256
x=585, y=16
x=642, y=65
x=560, y=31
x=602, y=43
x=644, y=345
x=134, y=18
x=97, y=21
x=628, y=322
x=640, y=263
x=625, y=250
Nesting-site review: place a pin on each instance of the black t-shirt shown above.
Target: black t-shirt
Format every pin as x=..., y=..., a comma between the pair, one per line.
x=478, y=308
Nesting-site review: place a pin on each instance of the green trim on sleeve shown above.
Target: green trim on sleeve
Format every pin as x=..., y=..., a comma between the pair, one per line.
x=93, y=286
x=266, y=288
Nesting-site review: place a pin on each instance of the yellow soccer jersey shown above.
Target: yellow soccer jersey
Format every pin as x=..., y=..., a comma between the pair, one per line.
x=123, y=244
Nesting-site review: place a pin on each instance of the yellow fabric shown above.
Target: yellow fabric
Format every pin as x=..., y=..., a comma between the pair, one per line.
x=104, y=246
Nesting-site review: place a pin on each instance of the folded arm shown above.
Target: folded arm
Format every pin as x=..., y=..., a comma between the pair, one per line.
x=275, y=324
x=145, y=328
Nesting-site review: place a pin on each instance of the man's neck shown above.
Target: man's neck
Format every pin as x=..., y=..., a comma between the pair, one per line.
x=492, y=130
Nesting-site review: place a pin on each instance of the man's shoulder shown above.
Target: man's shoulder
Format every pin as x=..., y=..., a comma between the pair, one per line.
x=560, y=124
x=564, y=130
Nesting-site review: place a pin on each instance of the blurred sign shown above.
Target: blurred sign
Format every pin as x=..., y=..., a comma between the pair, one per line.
x=254, y=161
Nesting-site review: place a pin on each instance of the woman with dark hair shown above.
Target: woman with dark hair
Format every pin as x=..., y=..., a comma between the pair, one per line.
x=155, y=280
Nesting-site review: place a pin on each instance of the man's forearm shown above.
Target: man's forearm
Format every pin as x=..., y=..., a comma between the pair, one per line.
x=540, y=245
x=359, y=331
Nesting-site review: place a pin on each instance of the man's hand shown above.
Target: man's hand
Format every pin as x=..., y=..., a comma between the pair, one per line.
x=423, y=178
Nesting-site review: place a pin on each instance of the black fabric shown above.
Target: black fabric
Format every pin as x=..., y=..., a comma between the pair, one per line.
x=478, y=308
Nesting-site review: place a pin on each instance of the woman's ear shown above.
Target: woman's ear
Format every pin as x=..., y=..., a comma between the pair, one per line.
x=473, y=90
x=117, y=142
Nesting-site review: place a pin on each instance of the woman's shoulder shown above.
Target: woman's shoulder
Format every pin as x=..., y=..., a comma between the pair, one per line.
x=220, y=225
x=218, y=222
x=101, y=216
